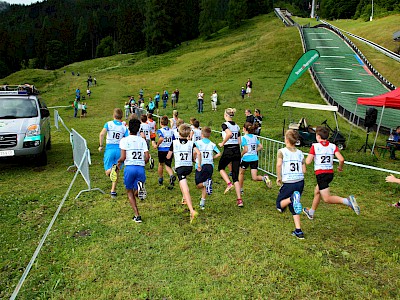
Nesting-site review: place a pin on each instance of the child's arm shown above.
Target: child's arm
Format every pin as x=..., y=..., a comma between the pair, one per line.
x=392, y=179
x=197, y=153
x=244, y=151
x=259, y=147
x=304, y=166
x=191, y=135
x=160, y=140
x=228, y=135
x=340, y=157
x=122, y=158
x=146, y=157
x=309, y=158
x=279, y=169
x=169, y=155
x=103, y=132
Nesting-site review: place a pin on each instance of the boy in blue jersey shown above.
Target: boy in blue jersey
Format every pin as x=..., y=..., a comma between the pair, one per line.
x=165, y=138
x=114, y=131
x=203, y=178
x=290, y=169
x=135, y=154
x=251, y=145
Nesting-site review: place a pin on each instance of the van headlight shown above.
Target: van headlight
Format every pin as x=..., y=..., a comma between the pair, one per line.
x=33, y=130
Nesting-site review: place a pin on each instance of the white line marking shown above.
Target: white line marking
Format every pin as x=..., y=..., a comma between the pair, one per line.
x=351, y=93
x=337, y=79
x=322, y=39
x=333, y=56
x=317, y=33
x=327, y=47
x=347, y=69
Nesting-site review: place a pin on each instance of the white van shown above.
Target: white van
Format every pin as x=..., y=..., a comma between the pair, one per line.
x=24, y=123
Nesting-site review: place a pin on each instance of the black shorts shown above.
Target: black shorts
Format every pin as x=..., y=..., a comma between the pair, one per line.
x=229, y=155
x=253, y=164
x=162, y=158
x=286, y=191
x=205, y=173
x=182, y=172
x=323, y=180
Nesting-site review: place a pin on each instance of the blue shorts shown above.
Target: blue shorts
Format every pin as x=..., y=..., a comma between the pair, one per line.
x=111, y=156
x=286, y=191
x=133, y=174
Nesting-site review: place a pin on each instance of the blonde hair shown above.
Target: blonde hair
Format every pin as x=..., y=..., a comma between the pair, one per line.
x=230, y=111
x=192, y=119
x=117, y=113
x=175, y=113
x=184, y=130
x=292, y=136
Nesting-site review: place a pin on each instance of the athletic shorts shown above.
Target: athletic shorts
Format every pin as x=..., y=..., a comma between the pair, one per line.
x=162, y=158
x=182, y=172
x=205, y=173
x=323, y=180
x=152, y=137
x=248, y=90
x=111, y=157
x=253, y=164
x=133, y=174
x=229, y=155
x=286, y=191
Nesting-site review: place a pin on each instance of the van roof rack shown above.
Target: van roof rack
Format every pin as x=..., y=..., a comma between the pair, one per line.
x=20, y=89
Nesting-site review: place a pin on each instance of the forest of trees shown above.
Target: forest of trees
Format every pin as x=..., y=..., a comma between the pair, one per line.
x=54, y=33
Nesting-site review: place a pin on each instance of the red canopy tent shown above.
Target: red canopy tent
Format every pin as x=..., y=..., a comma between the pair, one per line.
x=388, y=100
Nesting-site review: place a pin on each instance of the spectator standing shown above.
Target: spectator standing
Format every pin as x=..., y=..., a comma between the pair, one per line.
x=258, y=118
x=76, y=107
x=243, y=92
x=165, y=97
x=95, y=81
x=200, y=101
x=249, y=86
x=127, y=110
x=151, y=106
x=177, y=95
x=78, y=94
x=88, y=92
x=173, y=100
x=249, y=116
x=157, y=99
x=214, y=100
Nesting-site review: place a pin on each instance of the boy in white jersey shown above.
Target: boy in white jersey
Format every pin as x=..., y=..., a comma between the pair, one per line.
x=135, y=154
x=195, y=134
x=183, y=151
x=203, y=177
x=114, y=131
x=322, y=153
x=290, y=169
x=145, y=130
x=179, y=122
x=153, y=128
x=165, y=138
x=251, y=145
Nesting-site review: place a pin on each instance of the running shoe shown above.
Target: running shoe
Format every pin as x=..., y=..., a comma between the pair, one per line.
x=160, y=181
x=353, y=204
x=113, y=195
x=239, y=202
x=113, y=173
x=172, y=179
x=151, y=161
x=298, y=234
x=208, y=186
x=267, y=181
x=142, y=193
x=202, y=204
x=296, y=203
x=397, y=205
x=193, y=217
x=307, y=212
x=137, y=219
x=228, y=188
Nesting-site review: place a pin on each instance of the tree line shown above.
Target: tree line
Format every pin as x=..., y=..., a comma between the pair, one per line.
x=54, y=33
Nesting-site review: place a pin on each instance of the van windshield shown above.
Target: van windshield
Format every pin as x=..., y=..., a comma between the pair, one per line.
x=13, y=108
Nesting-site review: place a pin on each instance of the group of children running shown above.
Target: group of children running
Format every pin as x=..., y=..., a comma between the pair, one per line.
x=189, y=143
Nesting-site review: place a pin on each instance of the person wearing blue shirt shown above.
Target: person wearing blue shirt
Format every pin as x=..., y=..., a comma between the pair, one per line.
x=157, y=99
x=251, y=145
x=114, y=131
x=394, y=147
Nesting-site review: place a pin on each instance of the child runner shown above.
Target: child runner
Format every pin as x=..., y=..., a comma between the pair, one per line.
x=251, y=145
x=174, y=119
x=135, y=154
x=114, y=131
x=231, y=141
x=179, y=122
x=192, y=119
x=203, y=178
x=145, y=130
x=290, y=169
x=183, y=151
x=392, y=179
x=84, y=110
x=195, y=133
x=153, y=128
x=127, y=110
x=165, y=138
x=322, y=153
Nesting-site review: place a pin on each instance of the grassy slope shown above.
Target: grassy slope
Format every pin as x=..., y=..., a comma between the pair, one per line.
x=229, y=253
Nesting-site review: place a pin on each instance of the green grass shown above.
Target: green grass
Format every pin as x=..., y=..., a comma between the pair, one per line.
x=95, y=250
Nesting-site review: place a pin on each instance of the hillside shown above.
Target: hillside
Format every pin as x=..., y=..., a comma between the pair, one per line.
x=95, y=251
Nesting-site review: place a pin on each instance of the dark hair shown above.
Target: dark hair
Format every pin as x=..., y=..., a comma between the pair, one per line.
x=250, y=128
x=323, y=132
x=143, y=118
x=257, y=111
x=196, y=123
x=134, y=126
x=164, y=120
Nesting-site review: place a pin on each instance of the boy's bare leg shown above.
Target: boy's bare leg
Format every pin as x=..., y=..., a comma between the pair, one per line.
x=132, y=201
x=255, y=176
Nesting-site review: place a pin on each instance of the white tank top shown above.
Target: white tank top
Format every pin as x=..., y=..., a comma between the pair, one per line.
x=235, y=134
x=115, y=132
x=183, y=153
x=251, y=145
x=167, y=134
x=145, y=128
x=152, y=125
x=135, y=148
x=323, y=159
x=292, y=165
x=196, y=134
x=207, y=151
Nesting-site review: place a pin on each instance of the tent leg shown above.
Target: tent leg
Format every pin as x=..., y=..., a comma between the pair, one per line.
x=377, y=131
